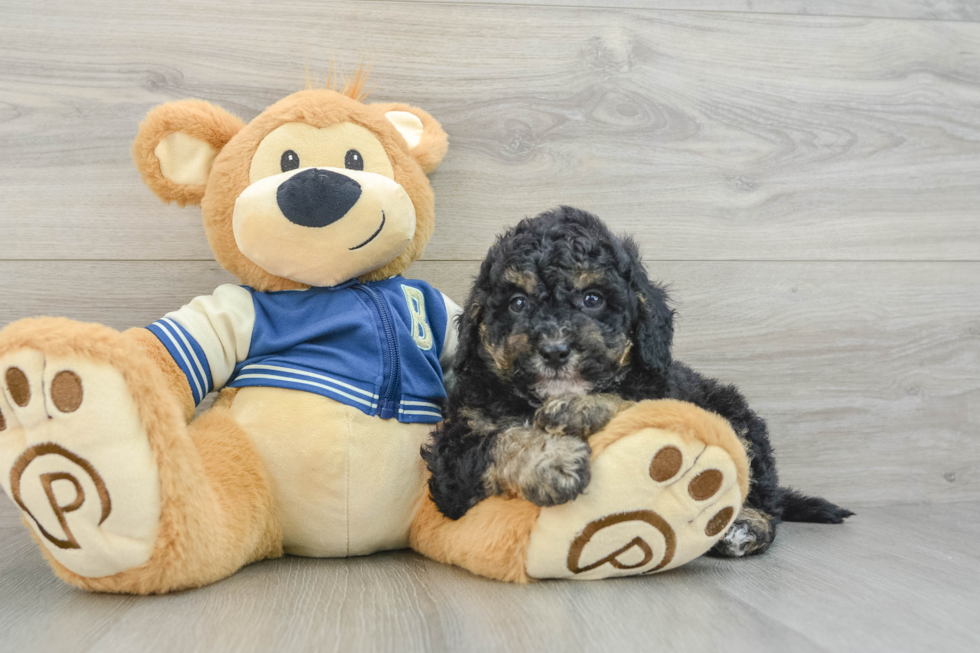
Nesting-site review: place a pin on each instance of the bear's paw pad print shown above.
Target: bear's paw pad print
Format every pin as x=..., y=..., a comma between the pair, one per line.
x=655, y=502
x=74, y=457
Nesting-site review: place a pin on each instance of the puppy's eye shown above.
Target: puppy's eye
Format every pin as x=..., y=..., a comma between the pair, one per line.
x=289, y=161
x=518, y=303
x=353, y=160
x=593, y=300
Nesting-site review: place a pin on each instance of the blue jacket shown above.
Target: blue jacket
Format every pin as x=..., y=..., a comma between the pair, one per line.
x=379, y=346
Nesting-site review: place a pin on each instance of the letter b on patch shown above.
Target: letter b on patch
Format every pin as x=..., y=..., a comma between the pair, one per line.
x=421, y=333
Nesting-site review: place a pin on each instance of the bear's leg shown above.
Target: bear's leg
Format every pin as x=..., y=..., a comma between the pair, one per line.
x=668, y=479
x=490, y=540
x=119, y=492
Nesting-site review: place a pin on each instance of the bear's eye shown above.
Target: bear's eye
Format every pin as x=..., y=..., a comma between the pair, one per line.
x=289, y=161
x=518, y=303
x=593, y=300
x=353, y=160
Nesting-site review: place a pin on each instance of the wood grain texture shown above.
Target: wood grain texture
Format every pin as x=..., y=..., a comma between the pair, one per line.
x=866, y=372
x=712, y=136
x=864, y=586
x=916, y=9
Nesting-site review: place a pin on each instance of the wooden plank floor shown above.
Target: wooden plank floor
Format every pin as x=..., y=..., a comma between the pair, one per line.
x=897, y=578
x=804, y=174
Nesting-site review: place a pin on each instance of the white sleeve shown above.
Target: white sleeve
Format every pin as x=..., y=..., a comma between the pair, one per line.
x=452, y=336
x=209, y=336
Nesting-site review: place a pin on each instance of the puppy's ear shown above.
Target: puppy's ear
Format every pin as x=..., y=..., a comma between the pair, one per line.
x=470, y=321
x=425, y=137
x=469, y=332
x=176, y=145
x=654, y=330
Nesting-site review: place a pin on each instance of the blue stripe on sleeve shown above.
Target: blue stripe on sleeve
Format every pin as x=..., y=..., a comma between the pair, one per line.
x=198, y=358
x=187, y=354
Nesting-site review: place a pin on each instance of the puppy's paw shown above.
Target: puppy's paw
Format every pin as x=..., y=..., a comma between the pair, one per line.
x=559, y=474
x=578, y=415
x=750, y=534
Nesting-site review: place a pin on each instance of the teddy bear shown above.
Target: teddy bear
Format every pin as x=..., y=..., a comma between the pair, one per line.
x=329, y=367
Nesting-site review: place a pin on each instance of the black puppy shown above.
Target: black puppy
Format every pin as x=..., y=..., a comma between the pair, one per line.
x=562, y=330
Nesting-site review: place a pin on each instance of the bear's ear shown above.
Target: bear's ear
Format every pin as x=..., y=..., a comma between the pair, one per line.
x=176, y=145
x=426, y=140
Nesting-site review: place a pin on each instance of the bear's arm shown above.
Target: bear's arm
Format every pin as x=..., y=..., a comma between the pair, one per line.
x=206, y=338
x=176, y=383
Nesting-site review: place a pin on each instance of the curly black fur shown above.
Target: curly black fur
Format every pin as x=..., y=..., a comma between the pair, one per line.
x=507, y=366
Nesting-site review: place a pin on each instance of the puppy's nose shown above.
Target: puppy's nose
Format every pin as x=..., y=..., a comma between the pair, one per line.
x=555, y=354
x=317, y=198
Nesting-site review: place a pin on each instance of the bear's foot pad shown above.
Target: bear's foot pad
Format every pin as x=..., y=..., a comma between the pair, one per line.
x=656, y=501
x=74, y=457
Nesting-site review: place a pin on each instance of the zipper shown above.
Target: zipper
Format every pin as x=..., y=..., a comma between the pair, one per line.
x=387, y=406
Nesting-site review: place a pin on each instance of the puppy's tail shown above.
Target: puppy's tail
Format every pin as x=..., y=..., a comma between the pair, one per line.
x=799, y=507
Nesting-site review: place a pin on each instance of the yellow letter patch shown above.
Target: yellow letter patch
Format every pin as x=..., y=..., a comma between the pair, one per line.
x=421, y=333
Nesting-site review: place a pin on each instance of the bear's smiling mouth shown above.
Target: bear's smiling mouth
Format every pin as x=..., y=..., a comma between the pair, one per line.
x=373, y=236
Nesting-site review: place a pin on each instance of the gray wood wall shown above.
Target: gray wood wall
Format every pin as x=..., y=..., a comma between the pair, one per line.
x=804, y=175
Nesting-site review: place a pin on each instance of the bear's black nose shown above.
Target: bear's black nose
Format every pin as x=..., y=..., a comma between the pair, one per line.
x=316, y=198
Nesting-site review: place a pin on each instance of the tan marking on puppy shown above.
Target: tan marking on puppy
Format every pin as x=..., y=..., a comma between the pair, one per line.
x=479, y=423
x=585, y=277
x=620, y=350
x=503, y=356
x=544, y=468
x=579, y=415
x=592, y=333
x=759, y=520
x=496, y=354
x=624, y=358
x=557, y=383
x=523, y=279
